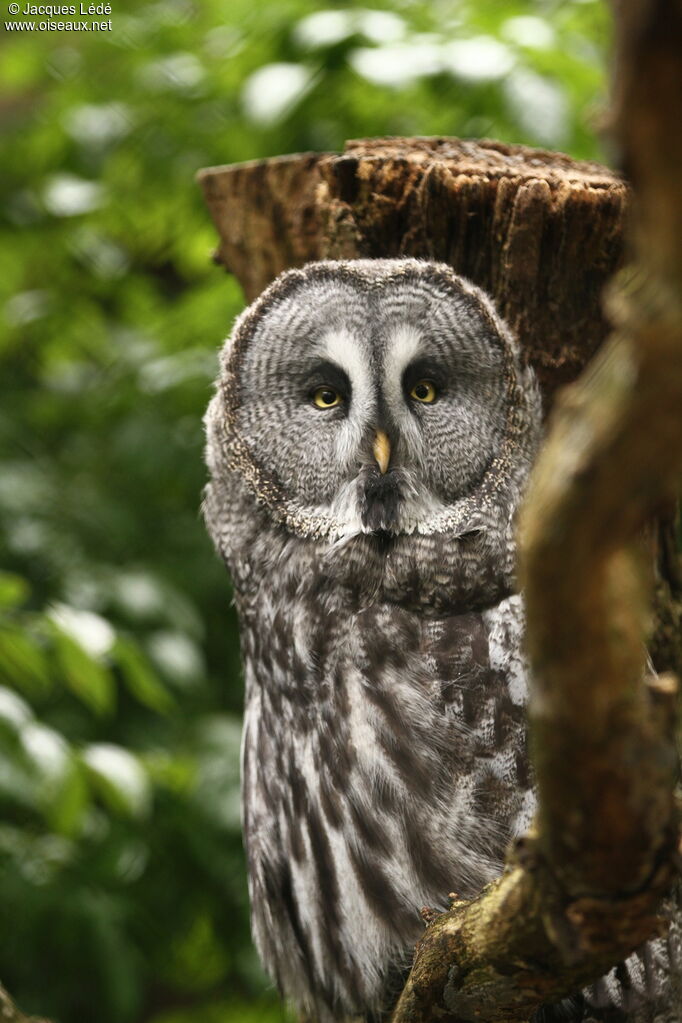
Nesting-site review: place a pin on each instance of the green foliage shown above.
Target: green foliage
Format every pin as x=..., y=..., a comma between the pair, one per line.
x=122, y=886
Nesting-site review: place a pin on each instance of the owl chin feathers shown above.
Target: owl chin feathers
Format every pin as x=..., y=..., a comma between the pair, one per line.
x=380, y=501
x=387, y=505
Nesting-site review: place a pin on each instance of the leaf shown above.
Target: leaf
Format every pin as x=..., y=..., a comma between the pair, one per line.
x=14, y=589
x=175, y=772
x=198, y=961
x=90, y=681
x=119, y=777
x=14, y=712
x=68, y=807
x=140, y=678
x=61, y=786
x=23, y=662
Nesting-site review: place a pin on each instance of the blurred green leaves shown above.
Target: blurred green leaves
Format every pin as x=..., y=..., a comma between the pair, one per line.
x=140, y=678
x=90, y=681
x=14, y=590
x=121, y=869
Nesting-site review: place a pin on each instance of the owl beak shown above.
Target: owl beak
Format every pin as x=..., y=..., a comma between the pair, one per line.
x=382, y=450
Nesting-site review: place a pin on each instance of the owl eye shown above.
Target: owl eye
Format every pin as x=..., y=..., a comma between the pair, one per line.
x=424, y=391
x=326, y=397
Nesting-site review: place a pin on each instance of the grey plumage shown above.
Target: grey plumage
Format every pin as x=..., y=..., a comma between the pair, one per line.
x=384, y=749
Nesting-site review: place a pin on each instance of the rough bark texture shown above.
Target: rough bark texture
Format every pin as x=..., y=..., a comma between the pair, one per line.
x=540, y=232
x=266, y=214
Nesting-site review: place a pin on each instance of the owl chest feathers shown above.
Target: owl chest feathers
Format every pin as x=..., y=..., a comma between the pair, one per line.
x=384, y=765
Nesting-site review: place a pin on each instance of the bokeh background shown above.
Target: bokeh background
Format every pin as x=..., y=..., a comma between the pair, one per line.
x=122, y=887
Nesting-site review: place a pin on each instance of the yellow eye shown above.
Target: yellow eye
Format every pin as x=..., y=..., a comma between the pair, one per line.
x=326, y=397
x=424, y=391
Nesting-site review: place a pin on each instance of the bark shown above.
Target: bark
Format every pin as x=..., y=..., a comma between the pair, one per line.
x=542, y=234
x=266, y=215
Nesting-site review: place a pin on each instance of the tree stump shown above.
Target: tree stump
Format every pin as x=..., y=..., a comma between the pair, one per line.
x=540, y=232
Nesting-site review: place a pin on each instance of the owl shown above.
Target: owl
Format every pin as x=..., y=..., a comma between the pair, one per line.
x=368, y=444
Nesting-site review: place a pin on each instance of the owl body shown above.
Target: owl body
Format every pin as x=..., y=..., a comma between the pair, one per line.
x=369, y=443
x=384, y=766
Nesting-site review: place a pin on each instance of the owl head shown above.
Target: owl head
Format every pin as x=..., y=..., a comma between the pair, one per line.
x=378, y=397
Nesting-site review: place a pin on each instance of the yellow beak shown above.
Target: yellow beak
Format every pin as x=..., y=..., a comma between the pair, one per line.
x=382, y=450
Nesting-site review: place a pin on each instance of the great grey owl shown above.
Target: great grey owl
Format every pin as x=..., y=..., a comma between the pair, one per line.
x=368, y=444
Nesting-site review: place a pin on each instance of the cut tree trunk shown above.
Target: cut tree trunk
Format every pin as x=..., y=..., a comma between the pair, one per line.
x=540, y=232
